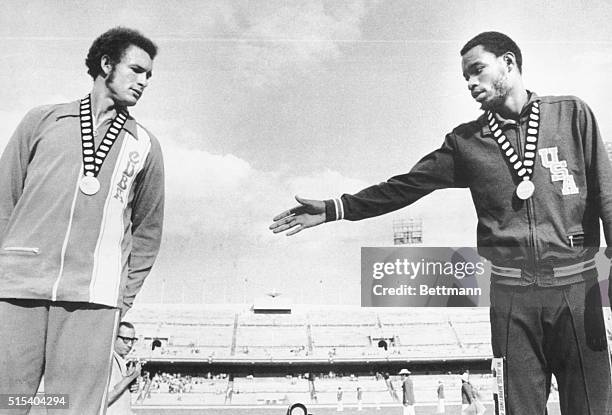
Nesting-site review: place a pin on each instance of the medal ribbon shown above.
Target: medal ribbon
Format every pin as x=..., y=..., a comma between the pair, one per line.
x=524, y=168
x=92, y=161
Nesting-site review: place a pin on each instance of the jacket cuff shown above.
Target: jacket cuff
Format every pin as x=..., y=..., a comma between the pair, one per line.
x=334, y=210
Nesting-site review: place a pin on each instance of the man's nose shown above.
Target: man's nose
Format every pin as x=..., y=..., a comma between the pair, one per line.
x=143, y=80
x=472, y=82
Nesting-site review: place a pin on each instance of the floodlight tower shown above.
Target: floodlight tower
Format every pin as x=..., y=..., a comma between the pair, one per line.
x=408, y=231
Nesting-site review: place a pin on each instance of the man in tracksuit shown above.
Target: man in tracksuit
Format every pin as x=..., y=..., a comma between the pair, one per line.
x=540, y=180
x=81, y=207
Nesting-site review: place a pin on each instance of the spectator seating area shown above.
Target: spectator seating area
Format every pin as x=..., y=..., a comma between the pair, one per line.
x=317, y=332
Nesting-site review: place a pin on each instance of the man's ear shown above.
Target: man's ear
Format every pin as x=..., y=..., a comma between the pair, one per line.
x=106, y=65
x=510, y=60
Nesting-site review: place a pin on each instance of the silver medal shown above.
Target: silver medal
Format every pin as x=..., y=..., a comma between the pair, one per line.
x=89, y=185
x=92, y=161
x=525, y=189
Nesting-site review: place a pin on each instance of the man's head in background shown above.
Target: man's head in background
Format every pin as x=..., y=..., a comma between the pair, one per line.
x=126, y=337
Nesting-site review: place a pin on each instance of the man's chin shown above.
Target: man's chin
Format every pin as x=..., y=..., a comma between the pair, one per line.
x=490, y=105
x=129, y=102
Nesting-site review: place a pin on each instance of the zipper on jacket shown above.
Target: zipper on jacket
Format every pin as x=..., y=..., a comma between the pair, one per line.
x=576, y=239
x=65, y=243
x=530, y=207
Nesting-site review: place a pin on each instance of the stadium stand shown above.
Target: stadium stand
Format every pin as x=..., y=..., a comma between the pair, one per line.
x=316, y=333
x=269, y=356
x=337, y=335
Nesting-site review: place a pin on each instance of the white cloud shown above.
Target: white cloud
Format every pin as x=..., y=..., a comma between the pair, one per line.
x=292, y=38
x=226, y=196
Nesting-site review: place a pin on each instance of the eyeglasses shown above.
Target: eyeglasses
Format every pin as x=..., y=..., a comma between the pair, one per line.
x=127, y=339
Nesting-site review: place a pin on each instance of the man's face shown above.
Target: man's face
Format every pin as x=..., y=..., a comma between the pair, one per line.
x=125, y=340
x=128, y=79
x=487, y=77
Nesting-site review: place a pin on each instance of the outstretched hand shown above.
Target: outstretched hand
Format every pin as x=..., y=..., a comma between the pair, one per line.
x=307, y=214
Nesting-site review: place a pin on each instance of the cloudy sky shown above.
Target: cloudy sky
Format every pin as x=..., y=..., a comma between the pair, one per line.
x=256, y=101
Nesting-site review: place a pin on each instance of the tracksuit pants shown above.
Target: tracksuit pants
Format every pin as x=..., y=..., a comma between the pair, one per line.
x=540, y=331
x=70, y=343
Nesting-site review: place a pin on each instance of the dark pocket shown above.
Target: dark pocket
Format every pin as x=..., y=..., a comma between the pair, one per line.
x=576, y=239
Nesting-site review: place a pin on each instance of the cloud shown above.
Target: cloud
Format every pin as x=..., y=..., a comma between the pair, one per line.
x=218, y=209
x=293, y=38
x=225, y=195
x=325, y=184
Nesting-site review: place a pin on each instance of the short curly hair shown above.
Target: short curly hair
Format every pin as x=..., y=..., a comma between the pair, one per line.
x=496, y=43
x=113, y=43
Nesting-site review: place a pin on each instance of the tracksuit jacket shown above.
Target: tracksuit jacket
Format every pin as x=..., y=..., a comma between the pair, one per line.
x=546, y=240
x=59, y=244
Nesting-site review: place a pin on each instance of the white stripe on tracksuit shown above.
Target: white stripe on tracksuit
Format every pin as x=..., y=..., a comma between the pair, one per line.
x=106, y=275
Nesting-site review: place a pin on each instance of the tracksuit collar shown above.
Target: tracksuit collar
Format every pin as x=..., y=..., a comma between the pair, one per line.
x=72, y=109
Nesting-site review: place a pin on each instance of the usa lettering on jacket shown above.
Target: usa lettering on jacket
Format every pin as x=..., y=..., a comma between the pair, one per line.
x=558, y=170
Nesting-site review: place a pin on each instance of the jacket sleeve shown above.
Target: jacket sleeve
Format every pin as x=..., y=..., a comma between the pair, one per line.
x=147, y=223
x=598, y=170
x=439, y=169
x=599, y=176
x=13, y=166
